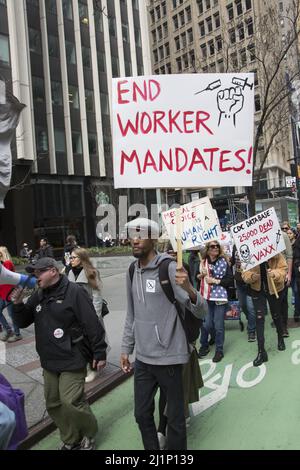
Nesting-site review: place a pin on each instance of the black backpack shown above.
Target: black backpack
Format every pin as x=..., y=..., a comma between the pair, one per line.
x=190, y=323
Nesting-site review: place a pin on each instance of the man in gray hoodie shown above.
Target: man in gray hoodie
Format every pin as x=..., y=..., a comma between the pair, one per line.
x=153, y=327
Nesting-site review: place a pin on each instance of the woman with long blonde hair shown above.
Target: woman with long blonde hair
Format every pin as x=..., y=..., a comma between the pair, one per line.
x=9, y=334
x=85, y=274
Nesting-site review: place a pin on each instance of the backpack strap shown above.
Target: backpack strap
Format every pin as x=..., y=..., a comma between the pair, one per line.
x=131, y=271
x=163, y=274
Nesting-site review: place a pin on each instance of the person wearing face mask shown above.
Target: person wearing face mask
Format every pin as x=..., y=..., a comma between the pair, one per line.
x=83, y=273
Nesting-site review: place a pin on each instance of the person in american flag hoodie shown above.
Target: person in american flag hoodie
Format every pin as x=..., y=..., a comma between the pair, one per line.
x=216, y=277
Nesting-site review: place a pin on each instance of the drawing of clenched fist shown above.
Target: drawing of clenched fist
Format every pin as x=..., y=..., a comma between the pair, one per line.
x=230, y=102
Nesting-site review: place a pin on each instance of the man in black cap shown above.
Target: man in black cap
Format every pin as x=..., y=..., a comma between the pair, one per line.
x=68, y=336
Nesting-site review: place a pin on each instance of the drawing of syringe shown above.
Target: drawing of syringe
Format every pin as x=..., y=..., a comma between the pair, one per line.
x=211, y=86
x=242, y=83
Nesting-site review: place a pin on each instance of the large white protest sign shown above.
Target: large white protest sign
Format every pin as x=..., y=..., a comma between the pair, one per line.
x=199, y=224
x=183, y=130
x=258, y=239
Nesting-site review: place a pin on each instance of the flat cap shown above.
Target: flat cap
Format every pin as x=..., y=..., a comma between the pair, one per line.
x=146, y=227
x=42, y=264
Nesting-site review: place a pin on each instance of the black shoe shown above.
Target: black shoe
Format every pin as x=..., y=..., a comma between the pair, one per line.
x=218, y=356
x=251, y=337
x=285, y=333
x=281, y=345
x=203, y=352
x=261, y=357
x=297, y=319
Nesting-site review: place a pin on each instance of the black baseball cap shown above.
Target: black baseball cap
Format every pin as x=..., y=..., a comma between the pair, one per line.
x=42, y=264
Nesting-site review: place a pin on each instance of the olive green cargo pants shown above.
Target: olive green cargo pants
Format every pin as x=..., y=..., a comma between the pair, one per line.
x=67, y=406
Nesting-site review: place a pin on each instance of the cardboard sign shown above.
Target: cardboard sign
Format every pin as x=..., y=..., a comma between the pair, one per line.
x=183, y=130
x=227, y=243
x=258, y=239
x=199, y=224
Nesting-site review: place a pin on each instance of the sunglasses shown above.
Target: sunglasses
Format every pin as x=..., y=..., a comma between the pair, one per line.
x=214, y=246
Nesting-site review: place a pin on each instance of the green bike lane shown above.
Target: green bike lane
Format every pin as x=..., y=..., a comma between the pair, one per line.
x=241, y=407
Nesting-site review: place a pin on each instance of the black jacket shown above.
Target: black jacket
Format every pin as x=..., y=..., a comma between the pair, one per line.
x=47, y=251
x=62, y=314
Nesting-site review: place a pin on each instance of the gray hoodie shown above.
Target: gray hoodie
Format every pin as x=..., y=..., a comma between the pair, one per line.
x=152, y=324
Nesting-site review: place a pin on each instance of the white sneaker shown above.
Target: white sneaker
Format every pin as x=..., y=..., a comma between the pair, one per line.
x=92, y=374
x=161, y=440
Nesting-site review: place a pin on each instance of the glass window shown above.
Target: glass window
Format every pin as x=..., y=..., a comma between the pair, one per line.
x=169, y=68
x=167, y=49
x=250, y=27
x=153, y=35
x=152, y=15
x=125, y=32
x=83, y=13
x=165, y=27
x=243, y=57
x=115, y=66
x=60, y=140
x=4, y=50
x=183, y=40
x=188, y=14
x=92, y=144
x=3, y=2
x=35, y=42
x=155, y=55
x=257, y=103
x=217, y=19
x=239, y=7
x=200, y=6
x=104, y=103
x=219, y=43
x=251, y=49
x=56, y=91
x=98, y=18
x=234, y=60
x=232, y=36
x=70, y=53
x=207, y=2
x=241, y=31
x=76, y=142
x=73, y=97
x=181, y=17
x=38, y=90
x=248, y=4
x=209, y=24
x=211, y=46
x=101, y=61
x=164, y=8
x=177, y=43
x=53, y=46
x=159, y=33
x=51, y=6
x=89, y=100
x=202, y=28
x=41, y=137
x=161, y=52
x=128, y=68
x=179, y=65
x=86, y=57
x=230, y=11
x=135, y=4
x=112, y=26
x=137, y=37
x=204, y=51
x=175, y=21
x=67, y=9
x=158, y=12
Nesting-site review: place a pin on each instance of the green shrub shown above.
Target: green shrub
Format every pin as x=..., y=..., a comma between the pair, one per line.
x=112, y=250
x=19, y=261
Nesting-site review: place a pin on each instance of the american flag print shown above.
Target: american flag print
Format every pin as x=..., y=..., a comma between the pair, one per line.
x=212, y=291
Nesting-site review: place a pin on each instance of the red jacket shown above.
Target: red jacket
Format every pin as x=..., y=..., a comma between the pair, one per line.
x=5, y=288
